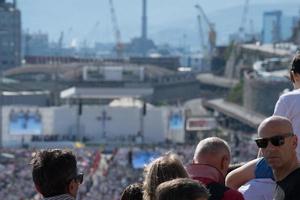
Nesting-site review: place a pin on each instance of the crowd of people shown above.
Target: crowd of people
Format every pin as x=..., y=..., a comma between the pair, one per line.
x=106, y=173
x=182, y=172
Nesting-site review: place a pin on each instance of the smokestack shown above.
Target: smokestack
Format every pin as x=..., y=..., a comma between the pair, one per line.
x=144, y=20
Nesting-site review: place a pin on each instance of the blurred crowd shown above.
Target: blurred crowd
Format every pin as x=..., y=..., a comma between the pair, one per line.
x=106, y=173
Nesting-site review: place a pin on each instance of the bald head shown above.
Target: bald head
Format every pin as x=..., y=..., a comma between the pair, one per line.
x=210, y=149
x=277, y=123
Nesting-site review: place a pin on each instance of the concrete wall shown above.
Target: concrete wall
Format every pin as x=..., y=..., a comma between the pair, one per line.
x=176, y=91
x=29, y=100
x=261, y=95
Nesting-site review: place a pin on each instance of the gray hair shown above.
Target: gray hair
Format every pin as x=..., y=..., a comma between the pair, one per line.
x=211, y=146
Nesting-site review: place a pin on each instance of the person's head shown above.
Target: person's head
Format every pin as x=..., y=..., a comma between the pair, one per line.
x=133, y=192
x=54, y=172
x=277, y=141
x=213, y=151
x=295, y=71
x=181, y=189
x=162, y=169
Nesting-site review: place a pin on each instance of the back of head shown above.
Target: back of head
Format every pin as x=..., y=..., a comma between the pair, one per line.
x=52, y=170
x=209, y=149
x=295, y=70
x=295, y=65
x=133, y=192
x=162, y=169
x=181, y=189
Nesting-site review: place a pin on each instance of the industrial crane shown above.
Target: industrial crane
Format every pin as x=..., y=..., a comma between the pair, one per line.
x=234, y=50
x=61, y=40
x=241, y=31
x=201, y=35
x=212, y=36
x=119, y=45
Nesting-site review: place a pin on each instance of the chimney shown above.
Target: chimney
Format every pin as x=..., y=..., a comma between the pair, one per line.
x=144, y=21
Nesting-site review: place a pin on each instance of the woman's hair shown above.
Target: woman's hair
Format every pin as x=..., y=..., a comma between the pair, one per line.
x=295, y=65
x=164, y=168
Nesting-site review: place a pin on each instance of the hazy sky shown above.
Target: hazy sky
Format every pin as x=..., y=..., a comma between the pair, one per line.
x=87, y=18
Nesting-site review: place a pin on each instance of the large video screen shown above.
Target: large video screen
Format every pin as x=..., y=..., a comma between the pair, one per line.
x=142, y=158
x=25, y=122
x=176, y=121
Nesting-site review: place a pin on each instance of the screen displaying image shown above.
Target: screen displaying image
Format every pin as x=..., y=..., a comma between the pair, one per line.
x=176, y=121
x=140, y=159
x=25, y=123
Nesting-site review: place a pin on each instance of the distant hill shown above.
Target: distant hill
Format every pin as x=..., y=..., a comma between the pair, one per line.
x=169, y=20
x=226, y=22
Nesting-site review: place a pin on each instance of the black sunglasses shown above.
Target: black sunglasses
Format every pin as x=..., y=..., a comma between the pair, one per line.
x=277, y=140
x=78, y=178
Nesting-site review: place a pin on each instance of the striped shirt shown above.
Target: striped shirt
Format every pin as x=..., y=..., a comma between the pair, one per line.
x=60, y=197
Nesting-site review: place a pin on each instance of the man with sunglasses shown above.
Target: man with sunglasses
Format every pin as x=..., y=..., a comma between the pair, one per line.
x=277, y=144
x=286, y=106
x=55, y=174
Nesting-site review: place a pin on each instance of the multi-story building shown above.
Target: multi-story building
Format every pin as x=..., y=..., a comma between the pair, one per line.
x=10, y=35
x=36, y=44
x=271, y=32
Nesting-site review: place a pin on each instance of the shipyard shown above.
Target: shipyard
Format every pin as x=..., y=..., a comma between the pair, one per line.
x=127, y=82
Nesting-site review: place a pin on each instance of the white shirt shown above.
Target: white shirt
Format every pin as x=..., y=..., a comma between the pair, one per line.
x=258, y=189
x=288, y=105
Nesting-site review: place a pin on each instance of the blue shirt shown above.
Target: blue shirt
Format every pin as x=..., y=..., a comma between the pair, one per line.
x=263, y=170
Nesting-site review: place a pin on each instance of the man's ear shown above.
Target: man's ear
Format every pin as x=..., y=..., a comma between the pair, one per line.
x=72, y=188
x=225, y=162
x=295, y=141
x=292, y=76
x=296, y=76
x=38, y=189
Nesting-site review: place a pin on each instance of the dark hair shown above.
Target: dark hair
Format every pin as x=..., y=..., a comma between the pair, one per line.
x=133, y=192
x=52, y=171
x=181, y=189
x=295, y=65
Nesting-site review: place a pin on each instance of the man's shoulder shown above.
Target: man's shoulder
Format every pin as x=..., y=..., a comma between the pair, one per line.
x=233, y=195
x=290, y=185
x=60, y=197
x=290, y=94
x=294, y=176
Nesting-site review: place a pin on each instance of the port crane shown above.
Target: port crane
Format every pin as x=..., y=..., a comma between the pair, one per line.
x=119, y=47
x=241, y=31
x=212, y=35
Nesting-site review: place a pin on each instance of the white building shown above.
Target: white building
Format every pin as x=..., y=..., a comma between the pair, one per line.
x=124, y=119
x=96, y=123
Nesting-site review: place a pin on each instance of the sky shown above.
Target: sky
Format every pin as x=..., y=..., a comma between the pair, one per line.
x=91, y=18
